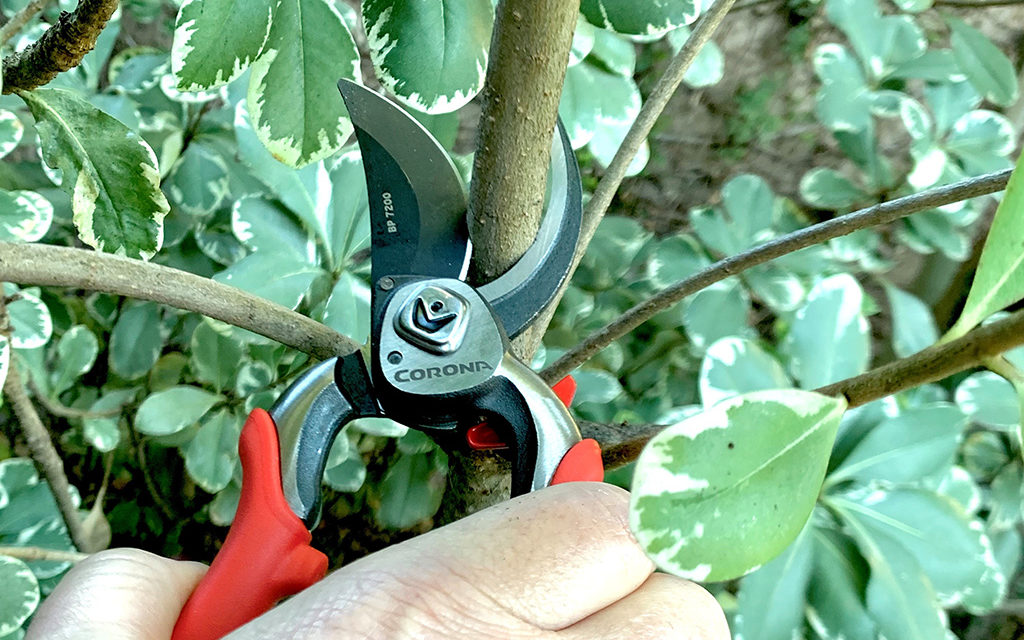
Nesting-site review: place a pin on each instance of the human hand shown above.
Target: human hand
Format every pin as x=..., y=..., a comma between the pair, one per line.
x=558, y=563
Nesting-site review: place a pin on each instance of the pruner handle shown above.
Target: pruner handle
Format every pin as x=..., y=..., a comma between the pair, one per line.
x=266, y=555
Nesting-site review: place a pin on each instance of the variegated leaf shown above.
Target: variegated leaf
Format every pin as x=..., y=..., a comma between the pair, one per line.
x=293, y=99
x=216, y=40
x=110, y=173
x=25, y=216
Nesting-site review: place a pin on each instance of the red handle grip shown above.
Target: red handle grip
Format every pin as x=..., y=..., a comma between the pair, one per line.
x=266, y=555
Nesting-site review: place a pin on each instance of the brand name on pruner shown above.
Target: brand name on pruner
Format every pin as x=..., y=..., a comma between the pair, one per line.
x=426, y=373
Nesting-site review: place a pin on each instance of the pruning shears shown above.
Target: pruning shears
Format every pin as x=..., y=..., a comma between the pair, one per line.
x=440, y=360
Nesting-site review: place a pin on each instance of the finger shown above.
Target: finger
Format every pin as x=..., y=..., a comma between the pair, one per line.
x=547, y=559
x=663, y=608
x=121, y=594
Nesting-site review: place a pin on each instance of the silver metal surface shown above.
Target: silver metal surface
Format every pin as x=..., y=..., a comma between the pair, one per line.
x=547, y=235
x=556, y=430
x=433, y=318
x=312, y=406
x=427, y=373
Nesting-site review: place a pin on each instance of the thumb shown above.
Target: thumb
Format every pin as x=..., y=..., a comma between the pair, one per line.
x=120, y=594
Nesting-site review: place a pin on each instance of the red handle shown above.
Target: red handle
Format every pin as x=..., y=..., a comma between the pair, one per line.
x=266, y=555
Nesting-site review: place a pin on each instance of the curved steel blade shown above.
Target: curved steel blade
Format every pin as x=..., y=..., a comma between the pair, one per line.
x=417, y=203
x=521, y=293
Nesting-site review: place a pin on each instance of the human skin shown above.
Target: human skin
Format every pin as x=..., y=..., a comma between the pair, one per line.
x=554, y=564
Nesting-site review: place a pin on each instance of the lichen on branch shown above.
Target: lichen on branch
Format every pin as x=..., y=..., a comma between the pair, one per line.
x=61, y=48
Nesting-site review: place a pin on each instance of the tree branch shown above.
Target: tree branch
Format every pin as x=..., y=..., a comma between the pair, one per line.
x=528, y=56
x=52, y=266
x=39, y=444
x=20, y=19
x=39, y=553
x=622, y=443
x=932, y=364
x=54, y=408
x=638, y=132
x=61, y=48
x=815, y=234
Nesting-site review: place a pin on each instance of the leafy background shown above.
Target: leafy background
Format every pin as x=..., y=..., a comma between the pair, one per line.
x=916, y=530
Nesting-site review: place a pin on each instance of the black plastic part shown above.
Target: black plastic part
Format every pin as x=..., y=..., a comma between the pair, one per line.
x=328, y=413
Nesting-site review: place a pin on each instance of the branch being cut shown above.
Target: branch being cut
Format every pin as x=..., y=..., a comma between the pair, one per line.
x=40, y=553
x=61, y=48
x=815, y=234
x=36, y=264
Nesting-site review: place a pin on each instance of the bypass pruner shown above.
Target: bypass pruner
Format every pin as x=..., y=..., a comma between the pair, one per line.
x=440, y=361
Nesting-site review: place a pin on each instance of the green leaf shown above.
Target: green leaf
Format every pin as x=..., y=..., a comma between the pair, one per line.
x=918, y=442
x=674, y=259
x=431, y=55
x=913, y=6
x=724, y=491
x=826, y=188
x=716, y=312
x=1006, y=498
x=707, y=68
x=168, y=412
x=989, y=400
x=252, y=376
x=216, y=40
x=951, y=549
x=412, y=489
x=771, y=600
x=348, y=223
x=105, y=433
x=215, y=355
x=733, y=366
x=828, y=339
x=961, y=487
x=348, y=308
x=212, y=455
x=109, y=172
x=597, y=386
x=647, y=18
x=913, y=325
x=615, y=53
x=606, y=142
x=25, y=216
x=30, y=319
x=780, y=289
x=136, y=341
x=5, y=360
x=264, y=226
x=999, y=279
x=593, y=98
x=883, y=43
x=582, y=41
x=274, y=277
x=345, y=470
x=225, y=504
x=11, y=131
x=843, y=102
x=934, y=65
x=900, y=599
x=987, y=68
x=20, y=595
x=77, y=351
x=30, y=516
x=835, y=601
x=293, y=98
x=198, y=183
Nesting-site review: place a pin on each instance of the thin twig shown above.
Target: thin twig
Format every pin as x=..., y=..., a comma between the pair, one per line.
x=39, y=553
x=20, y=19
x=622, y=443
x=934, y=363
x=816, y=234
x=55, y=408
x=51, y=266
x=39, y=443
x=649, y=113
x=140, y=453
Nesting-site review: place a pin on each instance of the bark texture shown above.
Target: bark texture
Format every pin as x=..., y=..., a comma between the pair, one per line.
x=61, y=48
